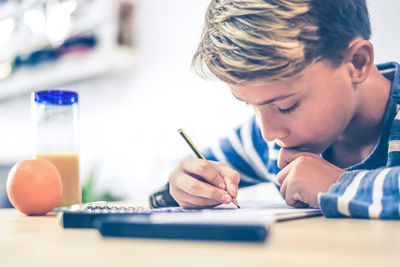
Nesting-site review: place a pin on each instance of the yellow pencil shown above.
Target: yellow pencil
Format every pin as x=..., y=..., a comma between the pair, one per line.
x=199, y=155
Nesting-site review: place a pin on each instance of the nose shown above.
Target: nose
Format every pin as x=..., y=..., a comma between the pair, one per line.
x=273, y=129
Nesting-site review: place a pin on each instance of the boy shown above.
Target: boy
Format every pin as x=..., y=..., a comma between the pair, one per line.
x=326, y=128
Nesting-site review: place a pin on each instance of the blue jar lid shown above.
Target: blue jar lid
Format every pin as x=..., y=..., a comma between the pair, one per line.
x=56, y=97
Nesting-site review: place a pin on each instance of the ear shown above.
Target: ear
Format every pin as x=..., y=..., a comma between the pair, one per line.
x=360, y=59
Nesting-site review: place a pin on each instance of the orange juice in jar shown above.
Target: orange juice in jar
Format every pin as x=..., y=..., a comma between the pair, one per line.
x=68, y=166
x=55, y=120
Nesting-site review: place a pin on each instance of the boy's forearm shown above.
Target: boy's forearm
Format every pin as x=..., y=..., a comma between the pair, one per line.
x=364, y=194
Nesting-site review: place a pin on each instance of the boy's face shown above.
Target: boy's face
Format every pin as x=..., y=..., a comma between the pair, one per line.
x=308, y=111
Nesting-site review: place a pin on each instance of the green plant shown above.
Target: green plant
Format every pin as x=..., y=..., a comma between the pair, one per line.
x=89, y=194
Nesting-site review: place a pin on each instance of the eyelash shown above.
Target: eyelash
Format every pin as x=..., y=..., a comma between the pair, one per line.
x=289, y=110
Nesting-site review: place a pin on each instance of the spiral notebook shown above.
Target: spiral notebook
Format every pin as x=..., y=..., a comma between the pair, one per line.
x=85, y=215
x=250, y=223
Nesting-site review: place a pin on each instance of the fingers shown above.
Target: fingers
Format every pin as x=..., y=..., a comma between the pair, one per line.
x=194, y=187
x=300, y=205
x=191, y=201
x=200, y=183
x=292, y=198
x=281, y=176
x=203, y=169
x=283, y=190
x=231, y=178
x=190, y=184
x=187, y=205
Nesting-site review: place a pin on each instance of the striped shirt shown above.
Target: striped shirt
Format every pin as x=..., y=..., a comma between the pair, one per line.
x=369, y=189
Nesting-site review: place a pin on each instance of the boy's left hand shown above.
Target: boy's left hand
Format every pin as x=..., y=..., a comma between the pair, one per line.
x=303, y=176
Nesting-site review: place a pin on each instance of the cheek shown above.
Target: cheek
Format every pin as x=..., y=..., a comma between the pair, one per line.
x=335, y=102
x=316, y=122
x=326, y=122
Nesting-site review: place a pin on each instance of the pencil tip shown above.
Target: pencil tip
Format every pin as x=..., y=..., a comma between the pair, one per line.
x=234, y=201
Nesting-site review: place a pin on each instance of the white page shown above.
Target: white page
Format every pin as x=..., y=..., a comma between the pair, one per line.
x=260, y=204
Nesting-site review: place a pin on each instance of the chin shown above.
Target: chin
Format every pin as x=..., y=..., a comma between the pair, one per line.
x=320, y=149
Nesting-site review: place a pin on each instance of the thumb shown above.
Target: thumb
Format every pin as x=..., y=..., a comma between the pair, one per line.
x=287, y=155
x=231, y=178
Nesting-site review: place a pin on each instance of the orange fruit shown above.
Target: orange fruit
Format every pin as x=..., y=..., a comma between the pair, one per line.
x=34, y=186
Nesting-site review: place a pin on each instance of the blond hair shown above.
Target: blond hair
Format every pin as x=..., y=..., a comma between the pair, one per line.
x=246, y=40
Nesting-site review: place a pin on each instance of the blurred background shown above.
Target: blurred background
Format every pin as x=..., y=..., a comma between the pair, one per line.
x=129, y=60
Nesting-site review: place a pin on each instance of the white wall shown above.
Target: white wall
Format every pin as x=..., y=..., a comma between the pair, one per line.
x=385, y=29
x=129, y=124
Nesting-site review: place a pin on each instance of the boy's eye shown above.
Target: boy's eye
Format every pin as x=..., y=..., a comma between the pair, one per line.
x=288, y=110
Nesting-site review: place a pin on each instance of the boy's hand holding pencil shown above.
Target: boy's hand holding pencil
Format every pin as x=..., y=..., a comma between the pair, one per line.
x=199, y=183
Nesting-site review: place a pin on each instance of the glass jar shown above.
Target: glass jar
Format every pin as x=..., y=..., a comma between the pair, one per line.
x=56, y=127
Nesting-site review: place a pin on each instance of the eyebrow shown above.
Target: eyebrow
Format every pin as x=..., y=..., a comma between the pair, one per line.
x=268, y=101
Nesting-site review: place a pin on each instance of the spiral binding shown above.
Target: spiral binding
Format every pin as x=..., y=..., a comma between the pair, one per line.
x=104, y=207
x=112, y=209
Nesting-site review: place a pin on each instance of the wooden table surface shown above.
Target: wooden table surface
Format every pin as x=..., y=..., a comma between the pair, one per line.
x=41, y=241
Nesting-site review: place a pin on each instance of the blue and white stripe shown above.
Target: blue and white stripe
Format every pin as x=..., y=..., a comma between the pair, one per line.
x=246, y=151
x=364, y=194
